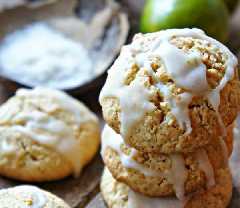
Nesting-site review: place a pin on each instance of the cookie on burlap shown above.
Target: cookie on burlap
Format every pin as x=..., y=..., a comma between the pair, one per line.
x=152, y=98
x=116, y=195
x=46, y=135
x=29, y=196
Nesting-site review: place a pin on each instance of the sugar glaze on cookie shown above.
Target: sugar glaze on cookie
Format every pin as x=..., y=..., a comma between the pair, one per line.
x=176, y=176
x=186, y=69
x=46, y=129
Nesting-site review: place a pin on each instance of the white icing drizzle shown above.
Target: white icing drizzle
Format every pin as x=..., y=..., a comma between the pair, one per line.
x=205, y=166
x=114, y=140
x=186, y=69
x=176, y=176
x=53, y=133
x=136, y=200
x=33, y=194
x=50, y=131
x=133, y=105
x=225, y=151
x=179, y=106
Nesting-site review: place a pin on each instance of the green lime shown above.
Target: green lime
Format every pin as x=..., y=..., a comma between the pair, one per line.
x=209, y=15
x=231, y=4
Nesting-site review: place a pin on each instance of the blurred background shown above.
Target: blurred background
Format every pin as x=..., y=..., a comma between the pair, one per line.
x=70, y=44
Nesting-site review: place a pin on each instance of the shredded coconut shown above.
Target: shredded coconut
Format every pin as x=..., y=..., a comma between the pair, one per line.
x=39, y=55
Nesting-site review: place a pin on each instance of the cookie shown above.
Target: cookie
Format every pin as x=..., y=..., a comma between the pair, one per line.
x=160, y=174
x=173, y=91
x=46, y=135
x=29, y=196
x=229, y=139
x=118, y=195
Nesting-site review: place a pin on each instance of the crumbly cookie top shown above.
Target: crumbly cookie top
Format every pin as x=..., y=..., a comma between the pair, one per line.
x=164, y=71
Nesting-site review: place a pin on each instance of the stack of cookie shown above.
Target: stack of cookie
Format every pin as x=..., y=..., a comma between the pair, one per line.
x=169, y=102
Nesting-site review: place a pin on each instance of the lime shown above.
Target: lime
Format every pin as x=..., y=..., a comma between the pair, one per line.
x=209, y=15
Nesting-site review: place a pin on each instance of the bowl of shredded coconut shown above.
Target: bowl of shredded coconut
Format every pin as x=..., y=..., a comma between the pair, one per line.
x=66, y=45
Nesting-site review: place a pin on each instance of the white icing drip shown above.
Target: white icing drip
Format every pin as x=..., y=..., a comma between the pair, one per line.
x=206, y=167
x=179, y=106
x=133, y=105
x=225, y=151
x=214, y=95
x=33, y=194
x=135, y=200
x=176, y=176
x=231, y=62
x=52, y=133
x=114, y=140
x=185, y=68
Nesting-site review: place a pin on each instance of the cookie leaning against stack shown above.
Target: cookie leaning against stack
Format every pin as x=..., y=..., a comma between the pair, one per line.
x=45, y=135
x=170, y=100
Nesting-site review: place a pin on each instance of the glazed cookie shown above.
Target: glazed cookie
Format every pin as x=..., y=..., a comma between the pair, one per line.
x=171, y=91
x=29, y=196
x=229, y=139
x=46, y=135
x=159, y=174
x=117, y=195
